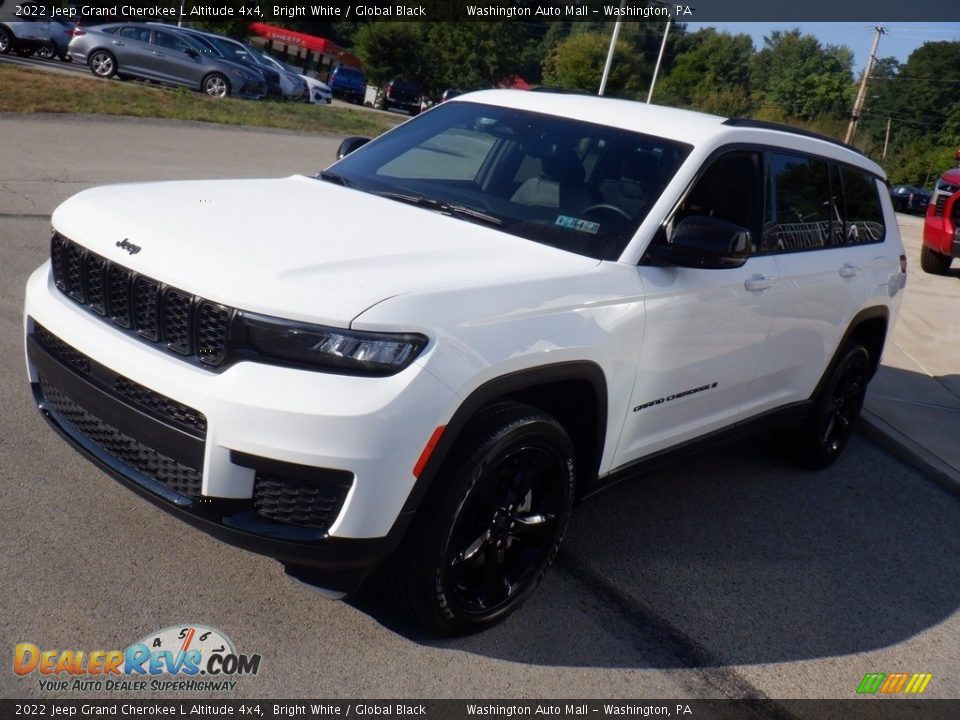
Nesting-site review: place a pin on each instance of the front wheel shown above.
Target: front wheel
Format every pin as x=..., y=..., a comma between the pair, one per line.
x=933, y=262
x=825, y=433
x=216, y=85
x=103, y=64
x=6, y=41
x=484, y=539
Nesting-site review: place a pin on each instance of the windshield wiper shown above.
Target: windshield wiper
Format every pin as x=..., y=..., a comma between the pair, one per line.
x=461, y=211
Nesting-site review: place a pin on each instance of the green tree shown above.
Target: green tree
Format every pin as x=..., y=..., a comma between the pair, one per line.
x=712, y=75
x=801, y=77
x=391, y=49
x=578, y=61
x=471, y=55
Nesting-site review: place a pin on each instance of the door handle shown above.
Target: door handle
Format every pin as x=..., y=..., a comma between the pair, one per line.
x=117, y=42
x=158, y=53
x=848, y=271
x=757, y=283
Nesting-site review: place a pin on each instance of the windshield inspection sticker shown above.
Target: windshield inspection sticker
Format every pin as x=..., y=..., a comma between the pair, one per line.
x=577, y=224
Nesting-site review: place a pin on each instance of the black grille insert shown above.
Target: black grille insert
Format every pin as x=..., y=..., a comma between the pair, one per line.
x=297, y=502
x=187, y=325
x=133, y=393
x=179, y=478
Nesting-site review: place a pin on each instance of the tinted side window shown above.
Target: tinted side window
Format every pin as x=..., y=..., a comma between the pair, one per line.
x=862, y=212
x=170, y=41
x=730, y=190
x=799, y=205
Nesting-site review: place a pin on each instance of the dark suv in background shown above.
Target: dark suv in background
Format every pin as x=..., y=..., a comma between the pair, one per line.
x=401, y=94
x=348, y=83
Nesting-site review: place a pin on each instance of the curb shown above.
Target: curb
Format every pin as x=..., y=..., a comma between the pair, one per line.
x=875, y=428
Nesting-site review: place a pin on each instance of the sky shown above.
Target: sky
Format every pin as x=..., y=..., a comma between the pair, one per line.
x=901, y=39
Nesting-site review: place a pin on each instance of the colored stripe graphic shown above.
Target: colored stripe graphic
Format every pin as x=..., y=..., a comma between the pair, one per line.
x=893, y=683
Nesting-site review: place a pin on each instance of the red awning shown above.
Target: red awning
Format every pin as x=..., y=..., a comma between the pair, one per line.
x=299, y=39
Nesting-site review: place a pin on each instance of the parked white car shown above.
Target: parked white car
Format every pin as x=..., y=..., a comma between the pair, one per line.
x=320, y=92
x=517, y=299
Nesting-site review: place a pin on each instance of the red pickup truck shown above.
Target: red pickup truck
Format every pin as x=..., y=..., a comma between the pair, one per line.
x=941, y=227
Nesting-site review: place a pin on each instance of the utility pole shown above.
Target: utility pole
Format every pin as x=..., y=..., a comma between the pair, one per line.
x=861, y=95
x=886, y=140
x=613, y=44
x=656, y=68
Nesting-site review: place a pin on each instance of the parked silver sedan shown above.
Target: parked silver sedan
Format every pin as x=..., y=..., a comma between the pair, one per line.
x=164, y=55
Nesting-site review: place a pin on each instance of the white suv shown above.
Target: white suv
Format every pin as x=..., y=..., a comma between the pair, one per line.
x=518, y=299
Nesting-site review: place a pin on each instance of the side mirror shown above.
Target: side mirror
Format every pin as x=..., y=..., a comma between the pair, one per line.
x=350, y=144
x=701, y=241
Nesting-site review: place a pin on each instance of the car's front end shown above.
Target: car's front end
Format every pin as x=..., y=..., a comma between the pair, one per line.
x=941, y=226
x=319, y=92
x=227, y=417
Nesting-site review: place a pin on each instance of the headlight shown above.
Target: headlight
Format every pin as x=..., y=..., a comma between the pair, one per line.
x=349, y=351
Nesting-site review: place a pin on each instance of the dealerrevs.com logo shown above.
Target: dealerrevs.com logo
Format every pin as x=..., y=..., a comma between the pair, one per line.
x=187, y=657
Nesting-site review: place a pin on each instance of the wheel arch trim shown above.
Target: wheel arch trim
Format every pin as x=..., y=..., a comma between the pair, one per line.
x=503, y=387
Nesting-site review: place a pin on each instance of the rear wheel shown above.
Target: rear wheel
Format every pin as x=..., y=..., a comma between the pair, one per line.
x=6, y=41
x=216, y=85
x=485, y=537
x=825, y=433
x=933, y=262
x=103, y=64
x=46, y=53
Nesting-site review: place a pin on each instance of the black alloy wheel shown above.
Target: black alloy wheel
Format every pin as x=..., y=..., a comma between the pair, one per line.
x=484, y=539
x=829, y=427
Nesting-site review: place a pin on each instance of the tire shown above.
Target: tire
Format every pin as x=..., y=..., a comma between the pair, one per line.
x=933, y=262
x=102, y=64
x=825, y=433
x=492, y=525
x=46, y=53
x=216, y=85
x=6, y=41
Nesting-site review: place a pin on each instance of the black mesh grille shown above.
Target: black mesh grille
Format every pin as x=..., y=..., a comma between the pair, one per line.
x=58, y=252
x=160, y=404
x=134, y=393
x=181, y=479
x=178, y=321
x=297, y=502
x=118, y=295
x=212, y=323
x=61, y=350
x=146, y=298
x=187, y=325
x=73, y=272
x=96, y=297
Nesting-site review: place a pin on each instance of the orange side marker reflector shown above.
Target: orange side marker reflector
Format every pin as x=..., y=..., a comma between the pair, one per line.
x=428, y=451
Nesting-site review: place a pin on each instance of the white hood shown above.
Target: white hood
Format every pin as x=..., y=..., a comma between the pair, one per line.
x=296, y=247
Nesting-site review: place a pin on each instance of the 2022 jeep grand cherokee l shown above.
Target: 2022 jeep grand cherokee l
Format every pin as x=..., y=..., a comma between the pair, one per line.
x=519, y=298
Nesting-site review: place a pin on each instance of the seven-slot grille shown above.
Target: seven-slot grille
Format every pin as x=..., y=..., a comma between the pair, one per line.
x=185, y=324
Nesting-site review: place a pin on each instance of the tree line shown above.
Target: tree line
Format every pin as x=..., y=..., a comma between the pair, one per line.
x=793, y=78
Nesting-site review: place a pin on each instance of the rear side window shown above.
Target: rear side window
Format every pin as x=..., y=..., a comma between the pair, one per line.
x=812, y=204
x=799, y=204
x=862, y=212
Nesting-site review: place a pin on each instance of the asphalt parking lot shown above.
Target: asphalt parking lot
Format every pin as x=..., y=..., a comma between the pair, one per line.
x=731, y=574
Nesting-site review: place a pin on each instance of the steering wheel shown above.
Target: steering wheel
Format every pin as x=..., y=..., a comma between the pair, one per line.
x=610, y=208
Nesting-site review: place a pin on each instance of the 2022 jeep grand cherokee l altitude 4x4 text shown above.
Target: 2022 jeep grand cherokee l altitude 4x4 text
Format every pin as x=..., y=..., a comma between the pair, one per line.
x=518, y=298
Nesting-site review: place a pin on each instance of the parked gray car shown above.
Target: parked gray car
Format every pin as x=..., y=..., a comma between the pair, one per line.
x=164, y=55
x=290, y=85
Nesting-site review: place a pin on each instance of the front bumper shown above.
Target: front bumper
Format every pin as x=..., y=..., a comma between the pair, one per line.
x=259, y=424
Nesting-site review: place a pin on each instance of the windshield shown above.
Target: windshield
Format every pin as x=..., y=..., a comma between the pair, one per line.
x=574, y=185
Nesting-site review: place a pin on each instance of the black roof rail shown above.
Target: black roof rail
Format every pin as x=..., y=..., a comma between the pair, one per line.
x=765, y=125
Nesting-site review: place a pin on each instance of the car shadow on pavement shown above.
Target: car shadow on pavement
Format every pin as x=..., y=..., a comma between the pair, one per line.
x=735, y=557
